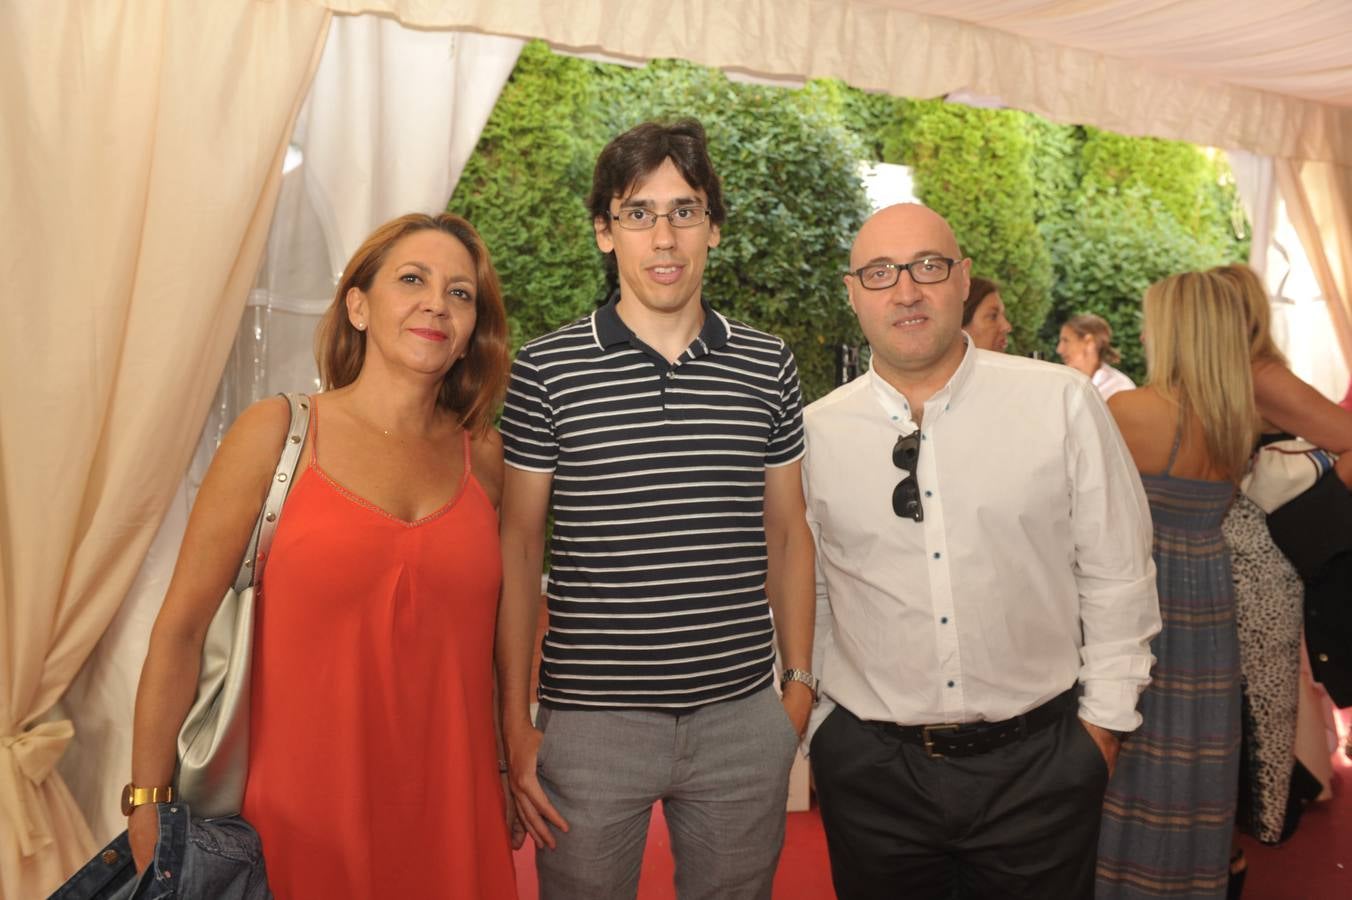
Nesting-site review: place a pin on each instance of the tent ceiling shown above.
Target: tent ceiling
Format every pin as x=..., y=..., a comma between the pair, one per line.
x=1299, y=48
x=1270, y=76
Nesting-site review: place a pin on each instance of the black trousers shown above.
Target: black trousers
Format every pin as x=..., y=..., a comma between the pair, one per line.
x=1020, y=821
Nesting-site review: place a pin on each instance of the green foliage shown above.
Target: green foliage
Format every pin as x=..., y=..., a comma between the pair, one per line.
x=1066, y=218
x=789, y=177
x=975, y=167
x=1141, y=209
x=525, y=185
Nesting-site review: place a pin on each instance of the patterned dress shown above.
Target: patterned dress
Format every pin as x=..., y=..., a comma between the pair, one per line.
x=1269, y=601
x=1170, y=806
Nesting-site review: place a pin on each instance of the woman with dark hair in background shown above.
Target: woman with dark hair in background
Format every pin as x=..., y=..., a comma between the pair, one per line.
x=1086, y=344
x=373, y=763
x=1169, y=811
x=983, y=316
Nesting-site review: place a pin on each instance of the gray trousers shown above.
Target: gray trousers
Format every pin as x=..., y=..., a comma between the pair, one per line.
x=721, y=772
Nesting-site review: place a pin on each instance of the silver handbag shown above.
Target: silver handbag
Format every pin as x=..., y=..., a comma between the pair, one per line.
x=213, y=744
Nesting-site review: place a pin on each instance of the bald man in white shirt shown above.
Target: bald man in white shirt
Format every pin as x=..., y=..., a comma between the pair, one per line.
x=985, y=598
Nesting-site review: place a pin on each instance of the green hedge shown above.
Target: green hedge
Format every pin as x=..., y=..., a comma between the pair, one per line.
x=975, y=166
x=1068, y=219
x=1140, y=209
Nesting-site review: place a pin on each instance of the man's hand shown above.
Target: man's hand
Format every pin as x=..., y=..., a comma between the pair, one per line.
x=533, y=808
x=1108, y=744
x=798, y=705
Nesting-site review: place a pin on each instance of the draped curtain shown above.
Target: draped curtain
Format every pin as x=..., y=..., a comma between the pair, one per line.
x=1319, y=201
x=142, y=147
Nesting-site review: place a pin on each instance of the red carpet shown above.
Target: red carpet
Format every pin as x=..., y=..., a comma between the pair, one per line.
x=1315, y=864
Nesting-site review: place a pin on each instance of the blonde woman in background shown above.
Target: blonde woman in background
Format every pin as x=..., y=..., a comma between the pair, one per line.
x=1170, y=805
x=1268, y=591
x=1086, y=344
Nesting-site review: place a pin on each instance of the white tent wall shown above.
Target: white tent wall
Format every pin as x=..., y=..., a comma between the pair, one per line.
x=391, y=118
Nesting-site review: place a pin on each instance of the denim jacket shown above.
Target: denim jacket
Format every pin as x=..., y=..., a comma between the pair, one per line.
x=220, y=859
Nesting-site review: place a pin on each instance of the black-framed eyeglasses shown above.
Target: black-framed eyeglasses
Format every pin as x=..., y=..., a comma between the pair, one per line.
x=638, y=218
x=906, y=495
x=881, y=276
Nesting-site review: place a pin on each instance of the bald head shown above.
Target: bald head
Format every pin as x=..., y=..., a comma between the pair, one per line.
x=913, y=327
x=917, y=227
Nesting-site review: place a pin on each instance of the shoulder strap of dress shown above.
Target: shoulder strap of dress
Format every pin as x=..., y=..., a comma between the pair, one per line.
x=469, y=464
x=1178, y=442
x=312, y=433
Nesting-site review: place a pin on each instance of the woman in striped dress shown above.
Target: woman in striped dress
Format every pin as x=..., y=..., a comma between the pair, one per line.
x=1170, y=805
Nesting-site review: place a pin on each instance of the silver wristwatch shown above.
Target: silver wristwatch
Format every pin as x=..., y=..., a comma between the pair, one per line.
x=803, y=676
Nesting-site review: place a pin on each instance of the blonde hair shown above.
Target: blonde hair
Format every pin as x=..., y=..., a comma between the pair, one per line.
x=1089, y=325
x=474, y=386
x=1197, y=352
x=1257, y=310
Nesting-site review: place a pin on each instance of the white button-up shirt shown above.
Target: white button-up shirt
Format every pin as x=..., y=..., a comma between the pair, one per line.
x=1030, y=571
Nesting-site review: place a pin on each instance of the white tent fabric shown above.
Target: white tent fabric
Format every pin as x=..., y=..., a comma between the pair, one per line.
x=1270, y=76
x=392, y=117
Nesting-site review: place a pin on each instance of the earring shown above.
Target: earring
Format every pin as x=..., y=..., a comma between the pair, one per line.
x=361, y=326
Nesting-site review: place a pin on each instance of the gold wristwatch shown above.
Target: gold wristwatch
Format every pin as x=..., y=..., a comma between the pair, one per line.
x=133, y=796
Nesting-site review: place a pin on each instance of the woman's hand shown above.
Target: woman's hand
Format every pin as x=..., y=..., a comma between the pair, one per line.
x=516, y=829
x=143, y=831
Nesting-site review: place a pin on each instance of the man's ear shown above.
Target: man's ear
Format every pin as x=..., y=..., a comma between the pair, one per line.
x=604, y=239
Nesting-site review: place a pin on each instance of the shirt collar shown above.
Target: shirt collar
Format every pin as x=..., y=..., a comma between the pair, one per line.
x=610, y=329
x=895, y=404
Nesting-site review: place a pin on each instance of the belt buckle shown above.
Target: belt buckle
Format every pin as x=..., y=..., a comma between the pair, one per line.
x=927, y=737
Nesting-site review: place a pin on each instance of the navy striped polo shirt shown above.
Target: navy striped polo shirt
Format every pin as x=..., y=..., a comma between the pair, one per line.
x=656, y=588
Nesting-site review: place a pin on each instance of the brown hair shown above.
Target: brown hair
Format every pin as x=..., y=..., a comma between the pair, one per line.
x=474, y=386
x=642, y=150
x=1257, y=310
x=979, y=290
x=1090, y=325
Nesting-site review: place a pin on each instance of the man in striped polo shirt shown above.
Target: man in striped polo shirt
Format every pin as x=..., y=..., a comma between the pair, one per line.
x=668, y=439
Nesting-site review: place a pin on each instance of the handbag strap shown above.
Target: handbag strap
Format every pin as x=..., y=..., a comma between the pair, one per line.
x=251, y=569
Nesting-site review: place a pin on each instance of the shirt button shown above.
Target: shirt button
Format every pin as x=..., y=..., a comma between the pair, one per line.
x=943, y=620
x=950, y=684
x=671, y=374
x=936, y=555
x=929, y=493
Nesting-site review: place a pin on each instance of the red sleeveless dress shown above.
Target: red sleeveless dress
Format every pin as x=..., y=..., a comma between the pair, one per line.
x=372, y=762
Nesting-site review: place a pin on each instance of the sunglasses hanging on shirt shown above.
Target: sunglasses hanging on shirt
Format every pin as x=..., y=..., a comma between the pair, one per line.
x=906, y=495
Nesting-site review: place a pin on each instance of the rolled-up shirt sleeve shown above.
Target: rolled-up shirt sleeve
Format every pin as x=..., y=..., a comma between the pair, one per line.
x=1113, y=567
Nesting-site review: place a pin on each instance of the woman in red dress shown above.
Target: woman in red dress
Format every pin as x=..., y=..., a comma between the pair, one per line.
x=373, y=757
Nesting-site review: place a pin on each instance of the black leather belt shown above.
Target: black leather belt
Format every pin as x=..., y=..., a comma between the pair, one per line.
x=975, y=738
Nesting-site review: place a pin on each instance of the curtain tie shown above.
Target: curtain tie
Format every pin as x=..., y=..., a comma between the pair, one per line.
x=26, y=759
